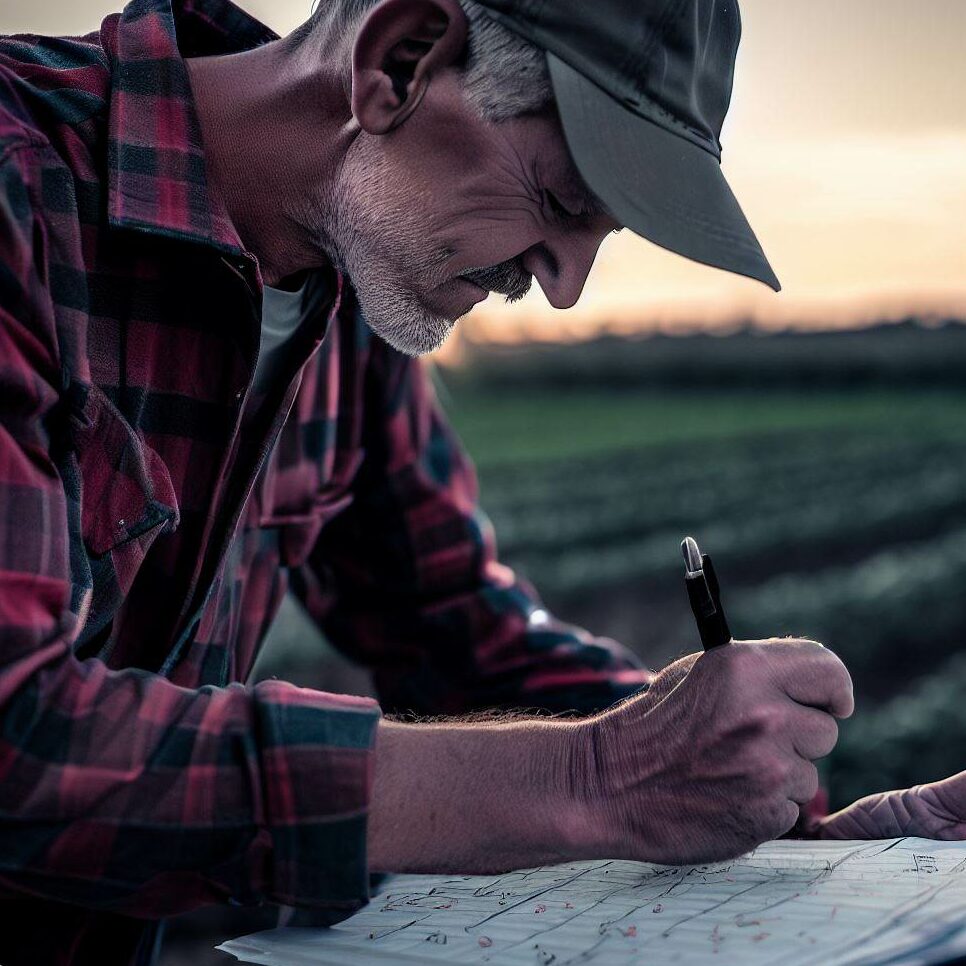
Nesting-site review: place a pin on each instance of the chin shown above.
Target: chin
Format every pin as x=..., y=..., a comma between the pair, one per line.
x=416, y=322
x=415, y=334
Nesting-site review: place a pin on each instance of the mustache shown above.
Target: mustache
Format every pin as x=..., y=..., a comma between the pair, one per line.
x=509, y=278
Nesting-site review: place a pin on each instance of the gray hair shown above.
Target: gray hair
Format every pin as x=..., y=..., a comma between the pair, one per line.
x=506, y=75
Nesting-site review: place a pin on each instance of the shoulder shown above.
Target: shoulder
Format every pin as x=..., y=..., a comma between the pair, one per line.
x=47, y=83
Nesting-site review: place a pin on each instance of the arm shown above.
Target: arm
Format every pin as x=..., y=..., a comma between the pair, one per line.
x=713, y=760
x=413, y=587
x=119, y=790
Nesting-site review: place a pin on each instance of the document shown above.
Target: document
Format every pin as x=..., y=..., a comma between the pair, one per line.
x=788, y=903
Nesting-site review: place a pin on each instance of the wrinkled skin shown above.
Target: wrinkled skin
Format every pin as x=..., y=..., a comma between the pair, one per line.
x=936, y=810
x=718, y=756
x=387, y=171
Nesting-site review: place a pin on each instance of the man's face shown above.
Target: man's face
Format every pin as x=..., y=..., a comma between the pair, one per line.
x=447, y=207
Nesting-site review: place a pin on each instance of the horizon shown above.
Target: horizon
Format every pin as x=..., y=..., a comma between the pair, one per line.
x=851, y=176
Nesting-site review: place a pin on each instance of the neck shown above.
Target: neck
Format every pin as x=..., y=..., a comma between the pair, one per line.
x=276, y=124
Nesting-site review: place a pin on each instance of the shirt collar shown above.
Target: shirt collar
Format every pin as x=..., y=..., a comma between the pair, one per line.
x=156, y=163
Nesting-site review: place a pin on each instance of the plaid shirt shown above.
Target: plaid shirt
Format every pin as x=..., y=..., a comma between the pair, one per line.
x=148, y=532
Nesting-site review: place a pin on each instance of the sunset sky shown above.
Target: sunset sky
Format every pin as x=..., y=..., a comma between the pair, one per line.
x=846, y=145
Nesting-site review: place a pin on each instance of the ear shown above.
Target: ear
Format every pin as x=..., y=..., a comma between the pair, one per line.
x=398, y=48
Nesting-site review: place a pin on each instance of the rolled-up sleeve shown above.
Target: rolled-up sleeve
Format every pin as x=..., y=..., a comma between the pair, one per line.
x=118, y=789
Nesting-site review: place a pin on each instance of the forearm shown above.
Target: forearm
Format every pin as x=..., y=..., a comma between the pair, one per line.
x=473, y=797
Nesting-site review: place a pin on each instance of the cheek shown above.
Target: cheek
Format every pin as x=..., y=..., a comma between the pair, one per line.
x=491, y=217
x=481, y=242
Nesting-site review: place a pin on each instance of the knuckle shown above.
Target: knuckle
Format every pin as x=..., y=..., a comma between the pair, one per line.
x=770, y=774
x=786, y=815
x=806, y=782
x=767, y=721
x=803, y=645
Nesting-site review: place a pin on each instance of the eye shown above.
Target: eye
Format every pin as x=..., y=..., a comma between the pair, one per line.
x=556, y=207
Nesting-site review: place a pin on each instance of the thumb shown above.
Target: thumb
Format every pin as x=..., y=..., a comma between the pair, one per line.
x=873, y=817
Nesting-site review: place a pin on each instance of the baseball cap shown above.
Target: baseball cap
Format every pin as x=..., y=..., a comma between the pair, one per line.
x=643, y=87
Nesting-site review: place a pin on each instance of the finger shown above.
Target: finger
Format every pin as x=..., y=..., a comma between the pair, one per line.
x=787, y=818
x=803, y=783
x=872, y=817
x=813, y=733
x=950, y=794
x=813, y=676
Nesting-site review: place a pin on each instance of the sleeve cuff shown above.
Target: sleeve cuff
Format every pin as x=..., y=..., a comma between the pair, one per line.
x=316, y=776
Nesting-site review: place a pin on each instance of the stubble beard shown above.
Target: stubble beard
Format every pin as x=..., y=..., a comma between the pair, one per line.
x=374, y=232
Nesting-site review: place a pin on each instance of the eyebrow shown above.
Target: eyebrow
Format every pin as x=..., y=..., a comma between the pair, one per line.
x=591, y=205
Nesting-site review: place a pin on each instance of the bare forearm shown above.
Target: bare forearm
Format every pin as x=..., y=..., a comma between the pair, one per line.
x=473, y=797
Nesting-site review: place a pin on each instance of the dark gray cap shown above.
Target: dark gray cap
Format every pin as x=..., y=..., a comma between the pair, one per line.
x=643, y=87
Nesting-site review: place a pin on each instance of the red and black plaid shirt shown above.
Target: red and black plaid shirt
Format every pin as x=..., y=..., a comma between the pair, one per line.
x=148, y=533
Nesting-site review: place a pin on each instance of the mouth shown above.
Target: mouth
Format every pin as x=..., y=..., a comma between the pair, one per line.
x=455, y=298
x=509, y=279
x=469, y=281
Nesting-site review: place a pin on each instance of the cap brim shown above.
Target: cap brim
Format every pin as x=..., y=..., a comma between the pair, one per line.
x=661, y=186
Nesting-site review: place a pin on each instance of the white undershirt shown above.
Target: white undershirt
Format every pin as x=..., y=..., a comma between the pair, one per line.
x=281, y=316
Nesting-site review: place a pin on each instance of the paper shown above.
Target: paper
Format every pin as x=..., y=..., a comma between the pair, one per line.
x=788, y=903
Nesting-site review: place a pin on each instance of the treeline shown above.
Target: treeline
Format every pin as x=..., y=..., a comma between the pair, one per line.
x=904, y=354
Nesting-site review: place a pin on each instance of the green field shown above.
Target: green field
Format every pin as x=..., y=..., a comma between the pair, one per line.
x=834, y=514
x=532, y=427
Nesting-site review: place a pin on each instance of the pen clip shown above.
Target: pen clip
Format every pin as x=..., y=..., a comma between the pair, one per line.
x=712, y=578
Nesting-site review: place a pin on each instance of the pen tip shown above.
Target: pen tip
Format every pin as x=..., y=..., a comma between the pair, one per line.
x=691, y=554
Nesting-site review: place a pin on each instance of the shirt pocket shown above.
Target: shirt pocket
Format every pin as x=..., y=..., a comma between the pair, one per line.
x=126, y=494
x=298, y=522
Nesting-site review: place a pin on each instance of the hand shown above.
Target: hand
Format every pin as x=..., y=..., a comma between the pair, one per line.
x=717, y=757
x=933, y=811
x=666, y=680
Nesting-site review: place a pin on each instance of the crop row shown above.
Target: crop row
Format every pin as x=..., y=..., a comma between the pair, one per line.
x=895, y=489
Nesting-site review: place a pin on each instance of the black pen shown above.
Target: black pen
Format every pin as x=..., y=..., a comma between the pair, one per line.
x=705, y=596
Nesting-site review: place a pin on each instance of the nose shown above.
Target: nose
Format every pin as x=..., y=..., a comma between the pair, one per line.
x=561, y=264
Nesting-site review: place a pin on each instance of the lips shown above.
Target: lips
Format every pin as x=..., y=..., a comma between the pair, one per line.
x=509, y=278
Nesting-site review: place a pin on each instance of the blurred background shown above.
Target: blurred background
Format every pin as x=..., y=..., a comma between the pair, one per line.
x=813, y=441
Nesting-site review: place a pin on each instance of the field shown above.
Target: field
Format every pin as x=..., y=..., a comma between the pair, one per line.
x=834, y=506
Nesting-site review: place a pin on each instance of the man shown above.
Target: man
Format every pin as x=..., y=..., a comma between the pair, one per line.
x=171, y=465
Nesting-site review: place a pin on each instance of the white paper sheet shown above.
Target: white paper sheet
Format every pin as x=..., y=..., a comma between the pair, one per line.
x=788, y=903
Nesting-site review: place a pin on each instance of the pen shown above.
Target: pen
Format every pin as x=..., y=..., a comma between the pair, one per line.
x=705, y=596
